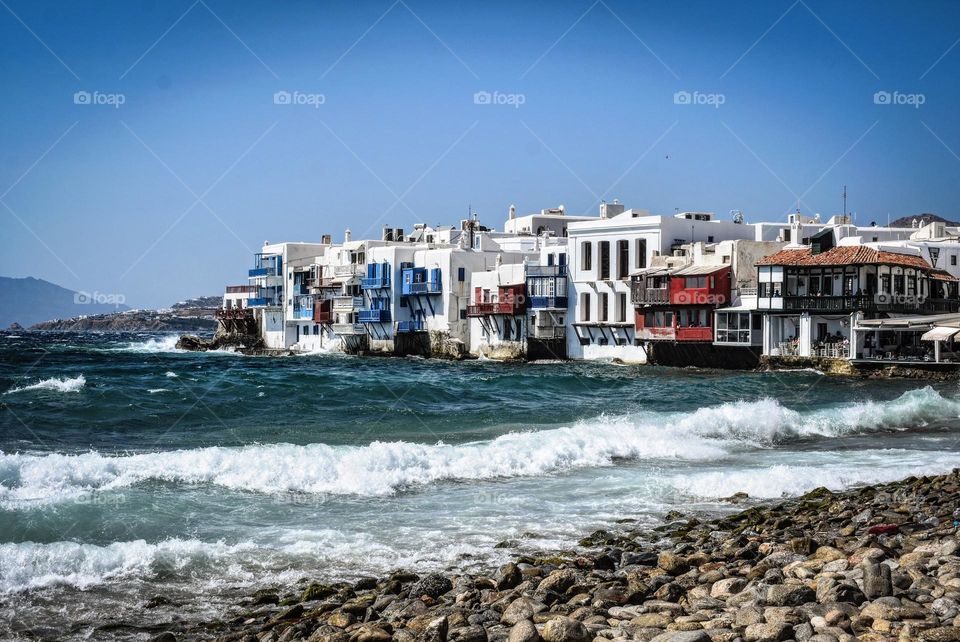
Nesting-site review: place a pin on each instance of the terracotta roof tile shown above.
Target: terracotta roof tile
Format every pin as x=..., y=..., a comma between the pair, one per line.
x=844, y=255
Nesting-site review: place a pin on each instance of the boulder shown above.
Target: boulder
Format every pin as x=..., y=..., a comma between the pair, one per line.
x=524, y=631
x=522, y=608
x=433, y=585
x=565, y=629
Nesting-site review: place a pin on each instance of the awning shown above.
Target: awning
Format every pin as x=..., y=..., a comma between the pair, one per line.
x=700, y=270
x=939, y=333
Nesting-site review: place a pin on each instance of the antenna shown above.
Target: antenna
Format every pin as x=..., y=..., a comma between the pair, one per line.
x=844, y=200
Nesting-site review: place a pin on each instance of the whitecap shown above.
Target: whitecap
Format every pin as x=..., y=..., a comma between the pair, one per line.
x=62, y=384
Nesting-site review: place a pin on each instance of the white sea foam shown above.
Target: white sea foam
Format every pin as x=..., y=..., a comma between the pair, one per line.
x=167, y=343
x=170, y=374
x=154, y=391
x=381, y=468
x=62, y=384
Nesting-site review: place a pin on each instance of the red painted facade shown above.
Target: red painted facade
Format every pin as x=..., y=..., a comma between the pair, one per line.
x=509, y=300
x=689, y=314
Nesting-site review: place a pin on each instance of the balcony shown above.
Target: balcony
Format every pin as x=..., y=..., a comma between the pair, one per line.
x=874, y=303
x=410, y=326
x=694, y=334
x=347, y=303
x=374, y=316
x=656, y=334
x=322, y=311
x=303, y=313
x=262, y=271
x=512, y=308
x=649, y=296
x=348, y=270
x=348, y=329
x=548, y=302
x=241, y=289
x=234, y=313
x=424, y=287
x=375, y=283
x=260, y=302
x=546, y=270
x=548, y=332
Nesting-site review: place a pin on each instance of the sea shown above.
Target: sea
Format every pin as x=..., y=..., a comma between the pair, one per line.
x=142, y=487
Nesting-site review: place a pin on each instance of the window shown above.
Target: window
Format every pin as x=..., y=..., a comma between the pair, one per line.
x=623, y=259
x=604, y=260
x=695, y=282
x=953, y=259
x=885, y=283
x=898, y=284
x=604, y=311
x=463, y=313
x=586, y=254
x=461, y=274
x=734, y=327
x=585, y=306
x=621, y=307
x=640, y=254
x=710, y=239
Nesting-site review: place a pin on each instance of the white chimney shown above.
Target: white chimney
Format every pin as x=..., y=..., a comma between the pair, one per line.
x=347, y=236
x=513, y=212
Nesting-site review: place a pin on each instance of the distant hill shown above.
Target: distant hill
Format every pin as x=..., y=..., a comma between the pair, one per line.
x=28, y=300
x=907, y=221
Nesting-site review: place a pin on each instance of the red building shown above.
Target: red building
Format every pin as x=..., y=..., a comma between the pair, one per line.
x=677, y=304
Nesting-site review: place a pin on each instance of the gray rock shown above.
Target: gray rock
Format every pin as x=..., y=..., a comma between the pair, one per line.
x=433, y=585
x=767, y=633
x=682, y=636
x=558, y=581
x=941, y=634
x=672, y=563
x=524, y=631
x=726, y=588
x=876, y=580
x=508, y=576
x=473, y=633
x=436, y=630
x=522, y=608
x=790, y=595
x=565, y=629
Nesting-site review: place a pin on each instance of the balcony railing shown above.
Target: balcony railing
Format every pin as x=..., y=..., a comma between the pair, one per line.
x=375, y=283
x=410, y=326
x=875, y=303
x=322, y=311
x=234, y=313
x=346, y=329
x=348, y=270
x=548, y=302
x=374, y=316
x=347, y=303
x=483, y=309
x=694, y=334
x=423, y=287
x=548, y=332
x=642, y=296
x=303, y=313
x=241, y=289
x=263, y=271
x=260, y=302
x=546, y=270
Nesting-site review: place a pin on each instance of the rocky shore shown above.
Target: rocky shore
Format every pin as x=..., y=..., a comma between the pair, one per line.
x=875, y=563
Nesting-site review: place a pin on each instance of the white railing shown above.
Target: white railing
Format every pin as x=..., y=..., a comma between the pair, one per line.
x=348, y=328
x=347, y=303
x=348, y=270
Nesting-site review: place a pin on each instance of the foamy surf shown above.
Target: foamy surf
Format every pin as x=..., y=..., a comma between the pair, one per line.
x=54, y=384
x=381, y=468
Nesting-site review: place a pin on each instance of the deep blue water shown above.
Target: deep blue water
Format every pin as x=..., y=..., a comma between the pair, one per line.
x=130, y=470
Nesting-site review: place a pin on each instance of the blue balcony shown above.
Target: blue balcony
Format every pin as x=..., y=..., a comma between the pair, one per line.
x=410, y=326
x=263, y=271
x=303, y=313
x=425, y=287
x=375, y=283
x=416, y=281
x=258, y=302
x=548, y=301
x=374, y=316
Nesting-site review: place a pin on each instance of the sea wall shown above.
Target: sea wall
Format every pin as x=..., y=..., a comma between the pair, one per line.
x=867, y=369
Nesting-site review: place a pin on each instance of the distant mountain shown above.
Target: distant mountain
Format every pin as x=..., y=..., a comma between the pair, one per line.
x=907, y=221
x=27, y=301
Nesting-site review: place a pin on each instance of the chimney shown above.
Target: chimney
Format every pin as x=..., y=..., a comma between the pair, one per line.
x=513, y=212
x=387, y=234
x=326, y=239
x=608, y=210
x=398, y=234
x=347, y=236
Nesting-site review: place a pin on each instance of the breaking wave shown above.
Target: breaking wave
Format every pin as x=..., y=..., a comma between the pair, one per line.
x=62, y=384
x=166, y=343
x=382, y=468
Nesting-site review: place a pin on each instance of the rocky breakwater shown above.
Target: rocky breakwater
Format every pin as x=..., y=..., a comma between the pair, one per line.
x=877, y=563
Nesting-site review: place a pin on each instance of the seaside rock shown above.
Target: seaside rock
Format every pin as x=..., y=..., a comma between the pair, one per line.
x=876, y=580
x=728, y=587
x=508, y=577
x=564, y=629
x=436, y=630
x=433, y=585
x=558, y=581
x=522, y=608
x=524, y=631
x=672, y=563
x=682, y=636
x=370, y=633
x=472, y=633
x=941, y=634
x=317, y=592
x=341, y=620
x=767, y=633
x=327, y=633
x=166, y=636
x=790, y=595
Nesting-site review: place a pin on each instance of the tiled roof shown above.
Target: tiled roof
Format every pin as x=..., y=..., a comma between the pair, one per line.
x=844, y=255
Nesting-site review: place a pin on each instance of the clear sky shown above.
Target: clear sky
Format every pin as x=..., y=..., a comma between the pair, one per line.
x=162, y=179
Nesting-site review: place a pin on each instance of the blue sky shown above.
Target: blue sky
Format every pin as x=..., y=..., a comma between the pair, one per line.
x=167, y=194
